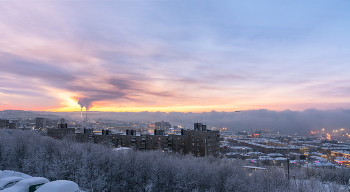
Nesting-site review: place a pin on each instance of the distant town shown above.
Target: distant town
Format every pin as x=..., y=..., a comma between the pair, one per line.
x=259, y=147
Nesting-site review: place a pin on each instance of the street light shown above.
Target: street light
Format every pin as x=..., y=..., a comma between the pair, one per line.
x=307, y=170
x=288, y=166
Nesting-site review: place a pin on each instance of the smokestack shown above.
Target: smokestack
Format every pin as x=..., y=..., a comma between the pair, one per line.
x=86, y=119
x=81, y=112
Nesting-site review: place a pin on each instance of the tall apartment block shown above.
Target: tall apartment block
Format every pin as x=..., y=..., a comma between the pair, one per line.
x=40, y=123
x=201, y=141
x=162, y=125
x=4, y=123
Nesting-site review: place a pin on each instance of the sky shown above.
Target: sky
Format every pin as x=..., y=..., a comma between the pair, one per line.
x=183, y=56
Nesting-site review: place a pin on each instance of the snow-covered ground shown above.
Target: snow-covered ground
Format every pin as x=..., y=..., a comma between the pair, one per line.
x=7, y=173
x=9, y=182
x=59, y=186
x=42, y=184
x=320, y=186
x=25, y=184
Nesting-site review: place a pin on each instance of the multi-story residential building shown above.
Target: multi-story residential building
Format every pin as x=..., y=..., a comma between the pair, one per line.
x=202, y=142
x=4, y=123
x=40, y=123
x=61, y=131
x=199, y=142
x=162, y=125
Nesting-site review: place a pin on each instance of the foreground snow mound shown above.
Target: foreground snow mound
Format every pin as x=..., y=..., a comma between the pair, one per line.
x=24, y=185
x=59, y=186
x=7, y=173
x=9, y=182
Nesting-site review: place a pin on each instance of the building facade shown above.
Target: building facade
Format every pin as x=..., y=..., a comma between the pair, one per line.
x=199, y=142
x=4, y=123
x=61, y=131
x=162, y=125
x=40, y=123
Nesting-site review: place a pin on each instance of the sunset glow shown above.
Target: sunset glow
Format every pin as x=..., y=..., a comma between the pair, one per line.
x=174, y=56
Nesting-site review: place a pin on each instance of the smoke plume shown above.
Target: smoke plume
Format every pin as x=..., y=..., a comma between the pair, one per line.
x=85, y=102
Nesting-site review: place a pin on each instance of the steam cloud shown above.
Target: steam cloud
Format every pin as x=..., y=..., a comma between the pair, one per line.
x=85, y=102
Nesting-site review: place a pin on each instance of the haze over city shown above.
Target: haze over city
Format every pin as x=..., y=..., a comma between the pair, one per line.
x=184, y=56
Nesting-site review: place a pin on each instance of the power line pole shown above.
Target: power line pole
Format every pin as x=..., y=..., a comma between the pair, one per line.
x=288, y=168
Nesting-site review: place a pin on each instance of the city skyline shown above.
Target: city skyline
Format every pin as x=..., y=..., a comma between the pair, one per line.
x=187, y=56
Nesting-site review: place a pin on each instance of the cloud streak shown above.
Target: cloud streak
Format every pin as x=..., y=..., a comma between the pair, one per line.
x=172, y=57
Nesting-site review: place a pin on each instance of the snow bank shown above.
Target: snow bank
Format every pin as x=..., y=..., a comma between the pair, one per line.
x=7, y=173
x=9, y=181
x=23, y=185
x=59, y=186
